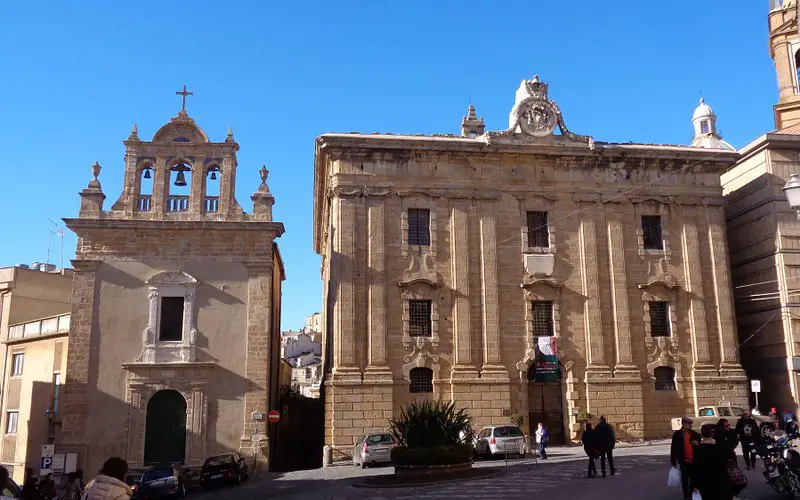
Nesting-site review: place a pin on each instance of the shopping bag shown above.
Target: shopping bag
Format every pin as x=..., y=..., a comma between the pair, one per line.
x=735, y=474
x=696, y=496
x=674, y=478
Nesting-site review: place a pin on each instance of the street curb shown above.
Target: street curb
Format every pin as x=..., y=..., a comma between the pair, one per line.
x=428, y=483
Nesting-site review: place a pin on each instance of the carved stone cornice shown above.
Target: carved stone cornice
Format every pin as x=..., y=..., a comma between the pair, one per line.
x=667, y=281
x=256, y=266
x=587, y=198
x=644, y=198
x=83, y=266
x=546, y=197
x=345, y=192
x=530, y=281
x=420, y=271
x=376, y=191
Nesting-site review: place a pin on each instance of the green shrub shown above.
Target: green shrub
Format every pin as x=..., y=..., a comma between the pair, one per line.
x=583, y=416
x=517, y=420
x=427, y=424
x=434, y=455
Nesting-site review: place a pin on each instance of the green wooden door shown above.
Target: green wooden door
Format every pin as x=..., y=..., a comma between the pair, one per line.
x=165, y=431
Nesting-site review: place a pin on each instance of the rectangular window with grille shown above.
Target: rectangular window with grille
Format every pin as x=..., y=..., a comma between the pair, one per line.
x=542, y=314
x=665, y=379
x=17, y=362
x=421, y=380
x=12, y=419
x=659, y=319
x=651, y=232
x=538, y=230
x=420, y=324
x=419, y=227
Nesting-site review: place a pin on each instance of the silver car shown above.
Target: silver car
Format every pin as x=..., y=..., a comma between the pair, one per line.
x=373, y=448
x=500, y=440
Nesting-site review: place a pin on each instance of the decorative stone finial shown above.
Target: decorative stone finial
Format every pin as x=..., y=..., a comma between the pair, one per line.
x=263, y=188
x=230, y=135
x=134, y=133
x=263, y=199
x=96, y=168
x=471, y=124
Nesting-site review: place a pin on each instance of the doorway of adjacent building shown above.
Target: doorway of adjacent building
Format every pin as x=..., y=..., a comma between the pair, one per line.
x=546, y=402
x=165, y=431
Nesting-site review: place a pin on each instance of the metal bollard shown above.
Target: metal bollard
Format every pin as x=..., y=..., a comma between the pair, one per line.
x=327, y=456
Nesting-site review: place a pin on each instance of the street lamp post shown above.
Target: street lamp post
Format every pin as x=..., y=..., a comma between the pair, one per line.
x=792, y=191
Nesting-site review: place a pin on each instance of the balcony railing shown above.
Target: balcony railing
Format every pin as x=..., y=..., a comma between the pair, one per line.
x=178, y=204
x=211, y=204
x=145, y=203
x=46, y=326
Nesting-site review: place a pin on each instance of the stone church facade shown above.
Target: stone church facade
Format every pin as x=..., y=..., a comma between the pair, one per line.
x=451, y=264
x=174, y=341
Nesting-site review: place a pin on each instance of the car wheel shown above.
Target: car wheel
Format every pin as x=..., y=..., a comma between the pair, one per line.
x=363, y=465
x=766, y=430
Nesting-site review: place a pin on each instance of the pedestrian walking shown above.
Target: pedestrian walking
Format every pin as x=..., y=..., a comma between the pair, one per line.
x=542, y=439
x=47, y=488
x=749, y=436
x=110, y=483
x=590, y=447
x=75, y=485
x=776, y=418
x=681, y=453
x=606, y=439
x=710, y=468
x=30, y=490
x=726, y=438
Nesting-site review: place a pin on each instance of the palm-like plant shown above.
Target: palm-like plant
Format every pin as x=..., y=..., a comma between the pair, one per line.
x=427, y=424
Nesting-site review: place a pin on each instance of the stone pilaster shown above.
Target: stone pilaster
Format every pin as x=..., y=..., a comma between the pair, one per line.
x=256, y=397
x=726, y=327
x=619, y=294
x=590, y=288
x=694, y=287
x=75, y=402
x=197, y=187
x=376, y=275
x=345, y=308
x=492, y=359
x=160, y=187
x=459, y=251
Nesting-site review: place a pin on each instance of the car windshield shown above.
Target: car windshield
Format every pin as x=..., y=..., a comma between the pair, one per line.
x=380, y=439
x=724, y=411
x=221, y=460
x=706, y=412
x=507, y=432
x=156, y=474
x=737, y=412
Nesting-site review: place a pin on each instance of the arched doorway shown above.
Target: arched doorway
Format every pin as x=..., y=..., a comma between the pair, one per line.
x=546, y=398
x=165, y=428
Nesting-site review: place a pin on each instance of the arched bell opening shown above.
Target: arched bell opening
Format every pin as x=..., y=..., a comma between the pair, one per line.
x=211, y=197
x=180, y=182
x=145, y=201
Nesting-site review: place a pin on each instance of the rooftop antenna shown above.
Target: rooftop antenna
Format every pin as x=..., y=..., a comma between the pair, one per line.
x=58, y=233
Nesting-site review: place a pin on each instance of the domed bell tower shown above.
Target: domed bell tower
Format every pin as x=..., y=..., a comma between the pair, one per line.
x=784, y=42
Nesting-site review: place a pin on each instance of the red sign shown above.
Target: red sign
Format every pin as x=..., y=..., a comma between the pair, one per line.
x=274, y=417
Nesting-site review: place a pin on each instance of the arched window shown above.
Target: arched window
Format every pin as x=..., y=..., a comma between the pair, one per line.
x=211, y=200
x=665, y=378
x=145, y=202
x=180, y=185
x=421, y=380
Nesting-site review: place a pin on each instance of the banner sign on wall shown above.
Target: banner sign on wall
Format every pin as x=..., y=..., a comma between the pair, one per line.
x=546, y=362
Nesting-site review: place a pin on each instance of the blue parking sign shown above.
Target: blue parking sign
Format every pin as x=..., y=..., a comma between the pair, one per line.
x=47, y=463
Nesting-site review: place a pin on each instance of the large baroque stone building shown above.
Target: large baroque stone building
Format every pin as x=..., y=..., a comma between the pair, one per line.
x=174, y=341
x=764, y=233
x=453, y=266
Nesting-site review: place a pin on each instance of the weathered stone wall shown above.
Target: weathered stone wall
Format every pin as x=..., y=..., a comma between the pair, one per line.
x=473, y=272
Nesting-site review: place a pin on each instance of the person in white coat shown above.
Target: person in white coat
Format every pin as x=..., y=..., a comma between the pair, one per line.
x=110, y=483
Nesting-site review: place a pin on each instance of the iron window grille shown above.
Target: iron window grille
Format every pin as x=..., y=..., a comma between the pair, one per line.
x=538, y=230
x=651, y=232
x=659, y=319
x=419, y=312
x=665, y=378
x=421, y=380
x=419, y=227
x=542, y=314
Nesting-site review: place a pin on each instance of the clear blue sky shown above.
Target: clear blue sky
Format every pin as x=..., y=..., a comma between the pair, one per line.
x=74, y=77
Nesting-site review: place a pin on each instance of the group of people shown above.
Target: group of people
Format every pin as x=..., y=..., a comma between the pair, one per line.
x=599, y=442
x=707, y=461
x=108, y=485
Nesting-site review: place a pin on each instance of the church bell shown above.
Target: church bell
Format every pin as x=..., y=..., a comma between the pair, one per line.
x=147, y=173
x=213, y=175
x=180, y=179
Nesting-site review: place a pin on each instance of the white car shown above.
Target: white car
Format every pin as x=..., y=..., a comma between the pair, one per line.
x=500, y=440
x=373, y=448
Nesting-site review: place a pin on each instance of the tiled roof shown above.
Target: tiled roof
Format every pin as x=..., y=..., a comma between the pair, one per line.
x=790, y=130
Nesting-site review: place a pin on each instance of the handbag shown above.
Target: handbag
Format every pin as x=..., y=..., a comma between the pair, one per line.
x=735, y=474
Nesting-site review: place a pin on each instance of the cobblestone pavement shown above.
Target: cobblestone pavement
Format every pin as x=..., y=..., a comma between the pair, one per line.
x=641, y=474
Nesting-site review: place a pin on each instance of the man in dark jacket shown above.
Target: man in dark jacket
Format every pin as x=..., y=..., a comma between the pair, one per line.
x=605, y=440
x=749, y=436
x=710, y=468
x=590, y=447
x=681, y=454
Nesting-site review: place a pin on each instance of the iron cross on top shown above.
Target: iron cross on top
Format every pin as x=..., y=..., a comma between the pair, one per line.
x=184, y=93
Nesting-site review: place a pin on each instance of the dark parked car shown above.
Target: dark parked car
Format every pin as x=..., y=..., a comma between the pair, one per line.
x=163, y=481
x=228, y=468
